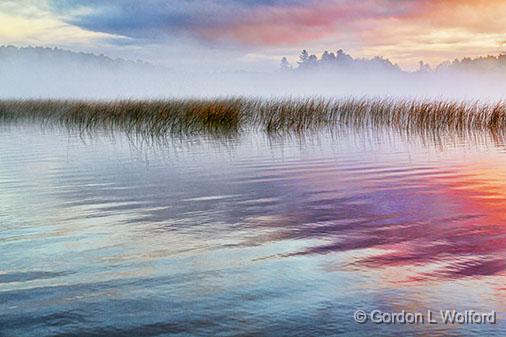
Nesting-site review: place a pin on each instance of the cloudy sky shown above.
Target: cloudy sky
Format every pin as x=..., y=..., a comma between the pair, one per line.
x=255, y=34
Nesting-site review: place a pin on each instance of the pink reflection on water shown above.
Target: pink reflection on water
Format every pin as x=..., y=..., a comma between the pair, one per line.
x=444, y=223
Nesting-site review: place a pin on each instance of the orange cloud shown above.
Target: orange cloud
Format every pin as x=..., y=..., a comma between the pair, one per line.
x=480, y=16
x=438, y=30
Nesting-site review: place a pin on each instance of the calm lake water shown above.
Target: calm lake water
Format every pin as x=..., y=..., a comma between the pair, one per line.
x=255, y=236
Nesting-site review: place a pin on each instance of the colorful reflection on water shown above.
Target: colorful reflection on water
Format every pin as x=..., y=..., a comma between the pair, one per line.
x=254, y=236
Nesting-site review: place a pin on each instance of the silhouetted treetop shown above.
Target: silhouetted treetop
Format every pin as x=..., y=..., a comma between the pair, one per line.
x=341, y=60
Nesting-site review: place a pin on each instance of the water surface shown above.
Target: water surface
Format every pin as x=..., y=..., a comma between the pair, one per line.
x=107, y=236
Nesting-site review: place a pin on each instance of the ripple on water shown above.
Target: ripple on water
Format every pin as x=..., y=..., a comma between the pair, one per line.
x=101, y=237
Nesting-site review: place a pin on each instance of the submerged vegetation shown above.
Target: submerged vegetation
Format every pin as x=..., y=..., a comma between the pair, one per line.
x=228, y=116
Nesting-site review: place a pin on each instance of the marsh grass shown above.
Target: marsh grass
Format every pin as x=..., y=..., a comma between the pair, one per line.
x=230, y=116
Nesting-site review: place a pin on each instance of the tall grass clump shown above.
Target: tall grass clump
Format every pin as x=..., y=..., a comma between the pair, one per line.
x=146, y=117
x=232, y=115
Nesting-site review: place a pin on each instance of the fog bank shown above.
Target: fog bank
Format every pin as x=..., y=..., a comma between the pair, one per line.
x=49, y=73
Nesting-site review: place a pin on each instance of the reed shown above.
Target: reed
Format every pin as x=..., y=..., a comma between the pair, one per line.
x=233, y=115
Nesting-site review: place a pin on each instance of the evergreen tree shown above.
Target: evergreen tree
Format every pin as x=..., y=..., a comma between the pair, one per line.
x=327, y=58
x=313, y=60
x=303, y=58
x=285, y=65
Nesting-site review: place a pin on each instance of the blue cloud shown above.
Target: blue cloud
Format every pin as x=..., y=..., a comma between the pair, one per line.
x=154, y=19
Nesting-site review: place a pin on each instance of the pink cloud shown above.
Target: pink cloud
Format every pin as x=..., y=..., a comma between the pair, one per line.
x=269, y=25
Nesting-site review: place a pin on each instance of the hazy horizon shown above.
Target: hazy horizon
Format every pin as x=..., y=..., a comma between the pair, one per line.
x=33, y=72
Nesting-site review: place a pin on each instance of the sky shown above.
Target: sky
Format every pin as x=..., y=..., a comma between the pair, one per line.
x=255, y=34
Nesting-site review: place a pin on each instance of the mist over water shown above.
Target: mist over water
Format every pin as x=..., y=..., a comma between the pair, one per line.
x=33, y=73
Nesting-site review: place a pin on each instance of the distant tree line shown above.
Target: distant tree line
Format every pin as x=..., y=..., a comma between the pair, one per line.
x=335, y=60
x=328, y=61
x=483, y=63
x=18, y=56
x=340, y=59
